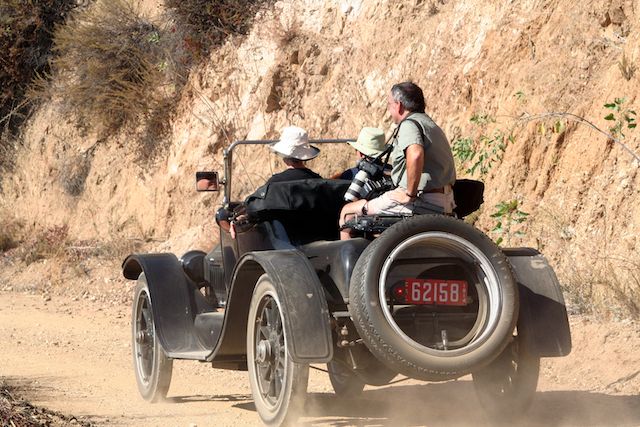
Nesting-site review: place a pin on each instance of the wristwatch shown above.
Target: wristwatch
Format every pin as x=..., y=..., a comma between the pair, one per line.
x=364, y=209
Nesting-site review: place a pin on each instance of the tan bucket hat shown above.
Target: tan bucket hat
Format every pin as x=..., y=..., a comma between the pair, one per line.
x=370, y=142
x=294, y=143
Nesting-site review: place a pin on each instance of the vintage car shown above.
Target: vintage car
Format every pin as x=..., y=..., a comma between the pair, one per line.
x=428, y=297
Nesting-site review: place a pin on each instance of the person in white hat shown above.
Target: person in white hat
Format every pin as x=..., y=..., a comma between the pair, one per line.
x=295, y=150
x=369, y=145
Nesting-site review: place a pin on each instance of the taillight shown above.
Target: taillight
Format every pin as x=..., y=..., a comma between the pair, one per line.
x=399, y=292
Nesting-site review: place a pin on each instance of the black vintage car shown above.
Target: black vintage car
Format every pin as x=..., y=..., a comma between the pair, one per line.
x=428, y=297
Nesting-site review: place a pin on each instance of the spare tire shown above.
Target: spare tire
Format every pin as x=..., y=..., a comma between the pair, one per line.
x=423, y=335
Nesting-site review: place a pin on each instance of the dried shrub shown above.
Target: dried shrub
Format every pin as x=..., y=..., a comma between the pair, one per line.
x=15, y=411
x=627, y=67
x=11, y=231
x=112, y=68
x=25, y=48
x=73, y=173
x=48, y=243
x=206, y=24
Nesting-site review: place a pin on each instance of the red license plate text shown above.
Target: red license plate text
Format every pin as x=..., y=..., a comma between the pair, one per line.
x=436, y=291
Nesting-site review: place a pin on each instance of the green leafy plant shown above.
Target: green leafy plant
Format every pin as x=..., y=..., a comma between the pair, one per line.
x=508, y=215
x=622, y=117
x=463, y=149
x=482, y=119
x=484, y=153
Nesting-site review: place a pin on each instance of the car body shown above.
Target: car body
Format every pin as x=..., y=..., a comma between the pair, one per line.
x=429, y=297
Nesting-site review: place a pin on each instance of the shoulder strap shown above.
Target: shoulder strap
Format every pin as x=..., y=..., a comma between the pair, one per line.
x=418, y=125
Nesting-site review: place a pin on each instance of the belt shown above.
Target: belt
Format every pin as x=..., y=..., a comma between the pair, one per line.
x=434, y=190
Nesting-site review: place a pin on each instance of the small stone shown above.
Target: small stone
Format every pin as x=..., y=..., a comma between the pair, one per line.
x=616, y=15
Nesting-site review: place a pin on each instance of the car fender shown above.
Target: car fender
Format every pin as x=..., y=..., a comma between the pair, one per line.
x=305, y=310
x=542, y=307
x=172, y=305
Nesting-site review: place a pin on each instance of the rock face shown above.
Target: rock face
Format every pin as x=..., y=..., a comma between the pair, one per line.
x=327, y=66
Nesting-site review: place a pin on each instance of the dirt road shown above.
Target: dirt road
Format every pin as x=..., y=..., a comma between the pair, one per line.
x=74, y=356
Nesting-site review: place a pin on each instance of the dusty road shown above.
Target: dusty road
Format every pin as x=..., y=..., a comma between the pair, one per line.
x=74, y=357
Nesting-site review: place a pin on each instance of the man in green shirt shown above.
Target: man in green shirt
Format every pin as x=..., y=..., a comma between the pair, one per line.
x=423, y=167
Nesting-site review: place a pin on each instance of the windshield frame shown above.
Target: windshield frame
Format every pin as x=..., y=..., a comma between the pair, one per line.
x=227, y=156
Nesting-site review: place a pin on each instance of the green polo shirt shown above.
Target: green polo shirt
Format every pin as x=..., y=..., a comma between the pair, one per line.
x=439, y=168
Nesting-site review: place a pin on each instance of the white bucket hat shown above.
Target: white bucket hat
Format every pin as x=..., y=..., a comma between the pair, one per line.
x=294, y=143
x=370, y=142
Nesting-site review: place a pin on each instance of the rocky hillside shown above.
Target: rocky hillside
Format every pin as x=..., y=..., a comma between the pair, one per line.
x=488, y=70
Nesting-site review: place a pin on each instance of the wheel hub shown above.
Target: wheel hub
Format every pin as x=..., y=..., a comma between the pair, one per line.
x=263, y=351
x=142, y=337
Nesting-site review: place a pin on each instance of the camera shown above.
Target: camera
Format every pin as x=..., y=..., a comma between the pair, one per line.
x=367, y=171
x=356, y=190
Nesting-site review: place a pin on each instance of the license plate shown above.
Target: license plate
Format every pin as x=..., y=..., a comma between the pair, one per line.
x=436, y=291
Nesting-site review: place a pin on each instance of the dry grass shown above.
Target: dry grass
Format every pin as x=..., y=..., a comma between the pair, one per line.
x=11, y=232
x=113, y=67
x=44, y=244
x=598, y=276
x=25, y=43
x=627, y=67
x=56, y=243
x=206, y=24
x=15, y=411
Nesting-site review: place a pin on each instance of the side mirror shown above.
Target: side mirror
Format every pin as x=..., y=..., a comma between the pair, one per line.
x=207, y=181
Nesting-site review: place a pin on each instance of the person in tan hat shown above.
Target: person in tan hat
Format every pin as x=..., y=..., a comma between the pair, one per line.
x=369, y=145
x=295, y=150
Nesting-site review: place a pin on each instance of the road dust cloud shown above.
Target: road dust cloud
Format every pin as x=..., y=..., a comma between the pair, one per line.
x=454, y=403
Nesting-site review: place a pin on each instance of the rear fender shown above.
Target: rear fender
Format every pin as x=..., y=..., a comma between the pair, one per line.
x=542, y=307
x=305, y=310
x=172, y=300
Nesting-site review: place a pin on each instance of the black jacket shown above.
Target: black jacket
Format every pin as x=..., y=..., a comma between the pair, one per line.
x=293, y=175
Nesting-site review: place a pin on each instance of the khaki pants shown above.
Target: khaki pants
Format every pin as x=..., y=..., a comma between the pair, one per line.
x=387, y=204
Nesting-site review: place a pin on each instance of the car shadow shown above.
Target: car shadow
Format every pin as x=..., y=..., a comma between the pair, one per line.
x=455, y=403
x=209, y=398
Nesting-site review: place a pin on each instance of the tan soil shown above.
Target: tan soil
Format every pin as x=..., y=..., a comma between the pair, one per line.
x=74, y=356
x=326, y=66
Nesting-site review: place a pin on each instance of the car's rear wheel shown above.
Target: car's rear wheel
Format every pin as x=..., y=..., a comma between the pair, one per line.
x=427, y=338
x=152, y=367
x=278, y=384
x=507, y=386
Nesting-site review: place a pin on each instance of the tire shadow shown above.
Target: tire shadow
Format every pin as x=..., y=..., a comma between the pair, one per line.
x=455, y=404
x=209, y=398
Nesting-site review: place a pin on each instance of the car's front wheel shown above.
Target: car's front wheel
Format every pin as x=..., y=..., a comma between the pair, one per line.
x=278, y=384
x=152, y=367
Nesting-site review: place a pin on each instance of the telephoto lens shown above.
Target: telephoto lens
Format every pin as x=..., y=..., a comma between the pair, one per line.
x=356, y=189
